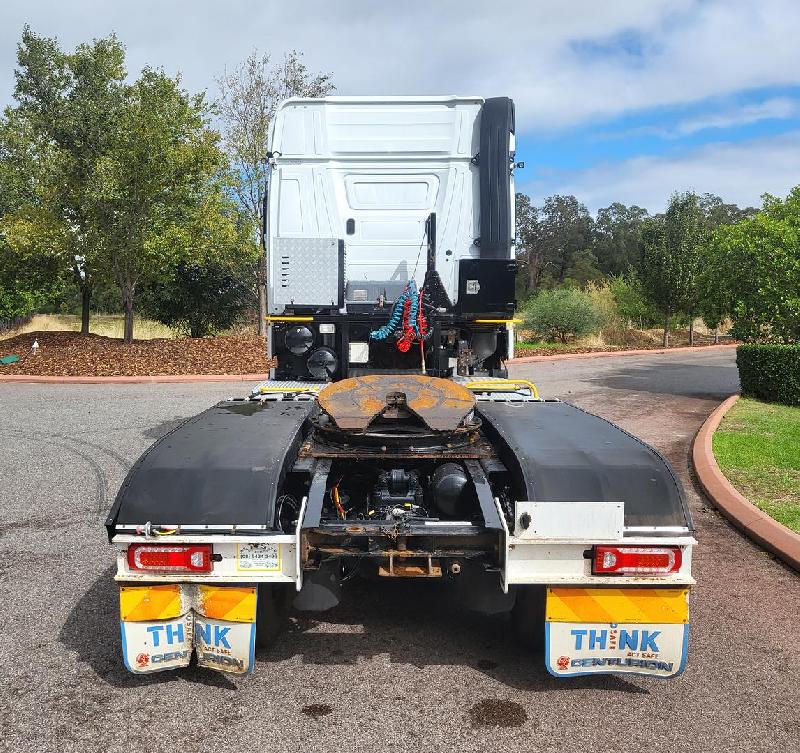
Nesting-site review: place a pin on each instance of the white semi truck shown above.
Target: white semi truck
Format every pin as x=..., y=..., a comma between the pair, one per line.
x=390, y=441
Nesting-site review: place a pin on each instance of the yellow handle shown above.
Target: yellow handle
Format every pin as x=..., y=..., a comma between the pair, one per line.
x=501, y=384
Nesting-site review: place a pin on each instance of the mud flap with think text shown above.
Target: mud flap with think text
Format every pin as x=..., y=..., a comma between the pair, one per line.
x=162, y=625
x=616, y=630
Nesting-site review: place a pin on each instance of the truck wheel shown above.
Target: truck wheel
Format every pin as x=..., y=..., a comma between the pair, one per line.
x=274, y=603
x=527, y=617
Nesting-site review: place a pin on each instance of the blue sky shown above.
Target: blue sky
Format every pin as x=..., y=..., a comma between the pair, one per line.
x=745, y=122
x=623, y=100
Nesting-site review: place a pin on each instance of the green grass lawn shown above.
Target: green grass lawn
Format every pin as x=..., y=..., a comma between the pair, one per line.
x=757, y=446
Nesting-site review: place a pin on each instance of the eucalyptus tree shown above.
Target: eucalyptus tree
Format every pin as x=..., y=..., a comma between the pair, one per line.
x=672, y=245
x=249, y=96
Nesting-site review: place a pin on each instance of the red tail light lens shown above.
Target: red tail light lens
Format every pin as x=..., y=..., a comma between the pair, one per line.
x=636, y=560
x=177, y=558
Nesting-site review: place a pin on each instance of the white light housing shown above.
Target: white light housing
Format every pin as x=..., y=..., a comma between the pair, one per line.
x=327, y=329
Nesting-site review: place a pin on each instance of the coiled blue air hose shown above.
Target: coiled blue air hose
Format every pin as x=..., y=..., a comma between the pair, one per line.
x=396, y=318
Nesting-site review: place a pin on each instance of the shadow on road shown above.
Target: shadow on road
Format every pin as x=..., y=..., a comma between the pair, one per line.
x=419, y=624
x=666, y=378
x=411, y=623
x=92, y=632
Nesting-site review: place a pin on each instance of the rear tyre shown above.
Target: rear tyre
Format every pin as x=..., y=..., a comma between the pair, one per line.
x=274, y=603
x=527, y=617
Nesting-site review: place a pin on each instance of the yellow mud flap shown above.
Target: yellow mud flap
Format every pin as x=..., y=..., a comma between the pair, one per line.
x=162, y=625
x=616, y=631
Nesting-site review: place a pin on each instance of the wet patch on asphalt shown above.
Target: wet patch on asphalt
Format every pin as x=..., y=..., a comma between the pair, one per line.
x=317, y=710
x=492, y=712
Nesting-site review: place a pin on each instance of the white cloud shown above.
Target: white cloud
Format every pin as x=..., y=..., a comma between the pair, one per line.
x=777, y=108
x=738, y=172
x=565, y=63
x=562, y=62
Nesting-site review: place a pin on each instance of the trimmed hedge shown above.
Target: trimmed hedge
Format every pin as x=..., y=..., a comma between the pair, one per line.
x=770, y=372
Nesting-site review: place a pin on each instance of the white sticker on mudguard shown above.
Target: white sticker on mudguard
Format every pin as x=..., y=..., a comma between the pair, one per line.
x=258, y=557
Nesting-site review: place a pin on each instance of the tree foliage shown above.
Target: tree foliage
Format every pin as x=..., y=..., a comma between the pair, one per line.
x=30, y=275
x=633, y=306
x=161, y=197
x=108, y=179
x=717, y=212
x=617, y=237
x=560, y=242
x=758, y=271
x=671, y=251
x=248, y=99
x=63, y=123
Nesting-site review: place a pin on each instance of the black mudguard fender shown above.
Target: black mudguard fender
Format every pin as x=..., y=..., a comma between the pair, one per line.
x=558, y=452
x=222, y=467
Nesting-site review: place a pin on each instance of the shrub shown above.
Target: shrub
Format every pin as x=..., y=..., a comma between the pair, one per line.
x=602, y=298
x=632, y=303
x=770, y=372
x=199, y=299
x=560, y=314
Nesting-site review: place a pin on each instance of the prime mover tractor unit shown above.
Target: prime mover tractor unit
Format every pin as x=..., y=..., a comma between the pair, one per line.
x=390, y=441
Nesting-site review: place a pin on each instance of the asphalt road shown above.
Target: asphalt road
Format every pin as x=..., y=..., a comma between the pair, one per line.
x=396, y=666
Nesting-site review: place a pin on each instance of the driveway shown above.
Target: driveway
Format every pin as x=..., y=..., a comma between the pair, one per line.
x=395, y=666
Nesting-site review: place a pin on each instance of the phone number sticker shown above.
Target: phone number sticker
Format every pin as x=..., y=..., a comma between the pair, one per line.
x=258, y=557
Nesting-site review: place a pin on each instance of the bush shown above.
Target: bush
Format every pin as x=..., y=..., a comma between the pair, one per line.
x=602, y=298
x=560, y=314
x=770, y=372
x=632, y=303
x=200, y=299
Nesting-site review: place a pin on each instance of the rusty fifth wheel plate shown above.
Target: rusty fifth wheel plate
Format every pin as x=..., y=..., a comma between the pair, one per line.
x=354, y=403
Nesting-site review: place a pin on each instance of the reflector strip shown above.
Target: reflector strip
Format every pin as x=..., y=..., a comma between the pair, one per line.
x=618, y=605
x=146, y=603
x=228, y=603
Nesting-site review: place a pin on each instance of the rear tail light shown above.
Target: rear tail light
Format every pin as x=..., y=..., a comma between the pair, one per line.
x=176, y=558
x=636, y=560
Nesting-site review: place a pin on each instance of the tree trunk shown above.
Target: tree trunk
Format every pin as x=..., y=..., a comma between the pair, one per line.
x=86, y=297
x=85, y=288
x=534, y=274
x=691, y=330
x=666, y=331
x=716, y=335
x=127, y=307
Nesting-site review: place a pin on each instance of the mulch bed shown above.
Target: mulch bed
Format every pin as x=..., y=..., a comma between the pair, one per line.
x=72, y=354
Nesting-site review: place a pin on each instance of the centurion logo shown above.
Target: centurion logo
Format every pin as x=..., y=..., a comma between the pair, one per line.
x=619, y=661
